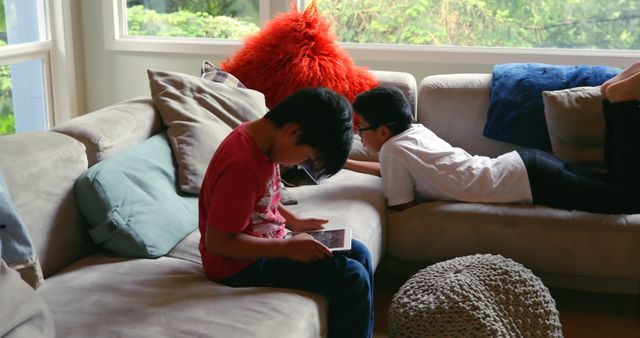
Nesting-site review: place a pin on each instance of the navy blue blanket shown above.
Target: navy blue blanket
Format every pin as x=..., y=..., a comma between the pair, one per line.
x=516, y=110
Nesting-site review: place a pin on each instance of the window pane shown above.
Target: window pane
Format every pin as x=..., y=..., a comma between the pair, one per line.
x=22, y=98
x=22, y=21
x=584, y=24
x=7, y=120
x=221, y=19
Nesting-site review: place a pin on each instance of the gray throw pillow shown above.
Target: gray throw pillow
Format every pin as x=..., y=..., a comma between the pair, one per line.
x=199, y=114
x=575, y=124
x=209, y=71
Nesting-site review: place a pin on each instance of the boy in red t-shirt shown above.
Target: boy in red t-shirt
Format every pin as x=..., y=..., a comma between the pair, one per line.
x=242, y=222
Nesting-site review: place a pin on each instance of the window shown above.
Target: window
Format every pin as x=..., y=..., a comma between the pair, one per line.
x=23, y=102
x=185, y=26
x=23, y=105
x=23, y=21
x=400, y=31
x=573, y=24
x=201, y=19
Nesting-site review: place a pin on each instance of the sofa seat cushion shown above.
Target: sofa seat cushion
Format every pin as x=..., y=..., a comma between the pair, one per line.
x=104, y=296
x=346, y=199
x=544, y=239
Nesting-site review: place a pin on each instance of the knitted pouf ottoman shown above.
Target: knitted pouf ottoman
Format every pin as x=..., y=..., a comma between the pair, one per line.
x=474, y=296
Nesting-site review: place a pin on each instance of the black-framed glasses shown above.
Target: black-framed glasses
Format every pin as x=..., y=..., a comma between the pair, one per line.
x=360, y=130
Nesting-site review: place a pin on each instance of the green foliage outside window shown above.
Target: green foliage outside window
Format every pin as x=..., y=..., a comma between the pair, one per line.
x=583, y=24
x=588, y=24
x=246, y=10
x=7, y=119
x=148, y=22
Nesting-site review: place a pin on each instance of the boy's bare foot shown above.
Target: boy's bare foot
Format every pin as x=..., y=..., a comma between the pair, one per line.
x=627, y=89
x=627, y=72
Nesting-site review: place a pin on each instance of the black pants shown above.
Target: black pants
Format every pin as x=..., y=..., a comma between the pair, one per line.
x=560, y=184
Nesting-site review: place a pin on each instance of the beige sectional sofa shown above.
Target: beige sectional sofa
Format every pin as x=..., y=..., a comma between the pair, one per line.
x=93, y=293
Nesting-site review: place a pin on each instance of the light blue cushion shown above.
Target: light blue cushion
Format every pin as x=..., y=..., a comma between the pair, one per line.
x=131, y=201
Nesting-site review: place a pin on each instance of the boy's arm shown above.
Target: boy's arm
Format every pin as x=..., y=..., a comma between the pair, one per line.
x=296, y=224
x=366, y=167
x=301, y=248
x=233, y=200
x=397, y=183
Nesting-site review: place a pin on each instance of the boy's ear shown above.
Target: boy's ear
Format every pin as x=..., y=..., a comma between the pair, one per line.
x=384, y=132
x=292, y=129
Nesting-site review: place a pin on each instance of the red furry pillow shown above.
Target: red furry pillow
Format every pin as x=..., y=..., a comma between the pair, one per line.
x=296, y=50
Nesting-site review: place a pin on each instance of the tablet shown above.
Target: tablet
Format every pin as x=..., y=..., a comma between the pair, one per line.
x=336, y=239
x=308, y=168
x=301, y=174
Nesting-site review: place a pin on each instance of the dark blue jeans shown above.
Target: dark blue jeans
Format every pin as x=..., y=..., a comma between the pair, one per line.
x=560, y=184
x=346, y=279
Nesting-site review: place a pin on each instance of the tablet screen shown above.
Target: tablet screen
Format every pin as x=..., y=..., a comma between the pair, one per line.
x=337, y=239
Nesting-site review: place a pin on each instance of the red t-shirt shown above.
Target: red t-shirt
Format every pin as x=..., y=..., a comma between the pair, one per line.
x=240, y=193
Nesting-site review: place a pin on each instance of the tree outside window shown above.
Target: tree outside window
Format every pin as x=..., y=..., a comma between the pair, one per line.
x=572, y=24
x=219, y=19
x=7, y=120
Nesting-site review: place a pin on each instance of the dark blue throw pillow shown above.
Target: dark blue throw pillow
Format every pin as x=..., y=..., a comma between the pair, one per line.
x=516, y=109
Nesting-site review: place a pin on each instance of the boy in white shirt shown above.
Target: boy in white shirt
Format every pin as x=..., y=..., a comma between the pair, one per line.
x=415, y=164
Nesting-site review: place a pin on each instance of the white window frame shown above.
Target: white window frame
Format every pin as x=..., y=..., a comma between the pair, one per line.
x=113, y=12
x=58, y=62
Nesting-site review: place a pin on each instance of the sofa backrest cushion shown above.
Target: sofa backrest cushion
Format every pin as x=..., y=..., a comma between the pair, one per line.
x=106, y=131
x=406, y=82
x=454, y=106
x=40, y=169
x=131, y=201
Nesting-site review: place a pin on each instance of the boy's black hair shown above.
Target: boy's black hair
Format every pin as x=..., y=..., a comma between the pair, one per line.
x=384, y=106
x=326, y=120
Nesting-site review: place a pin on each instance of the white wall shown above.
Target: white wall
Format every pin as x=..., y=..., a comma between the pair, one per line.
x=113, y=76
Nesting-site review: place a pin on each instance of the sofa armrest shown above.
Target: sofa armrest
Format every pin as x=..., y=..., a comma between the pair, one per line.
x=404, y=81
x=40, y=169
x=455, y=106
x=106, y=131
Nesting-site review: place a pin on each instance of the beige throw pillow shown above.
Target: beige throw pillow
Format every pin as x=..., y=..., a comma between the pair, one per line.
x=199, y=114
x=575, y=124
